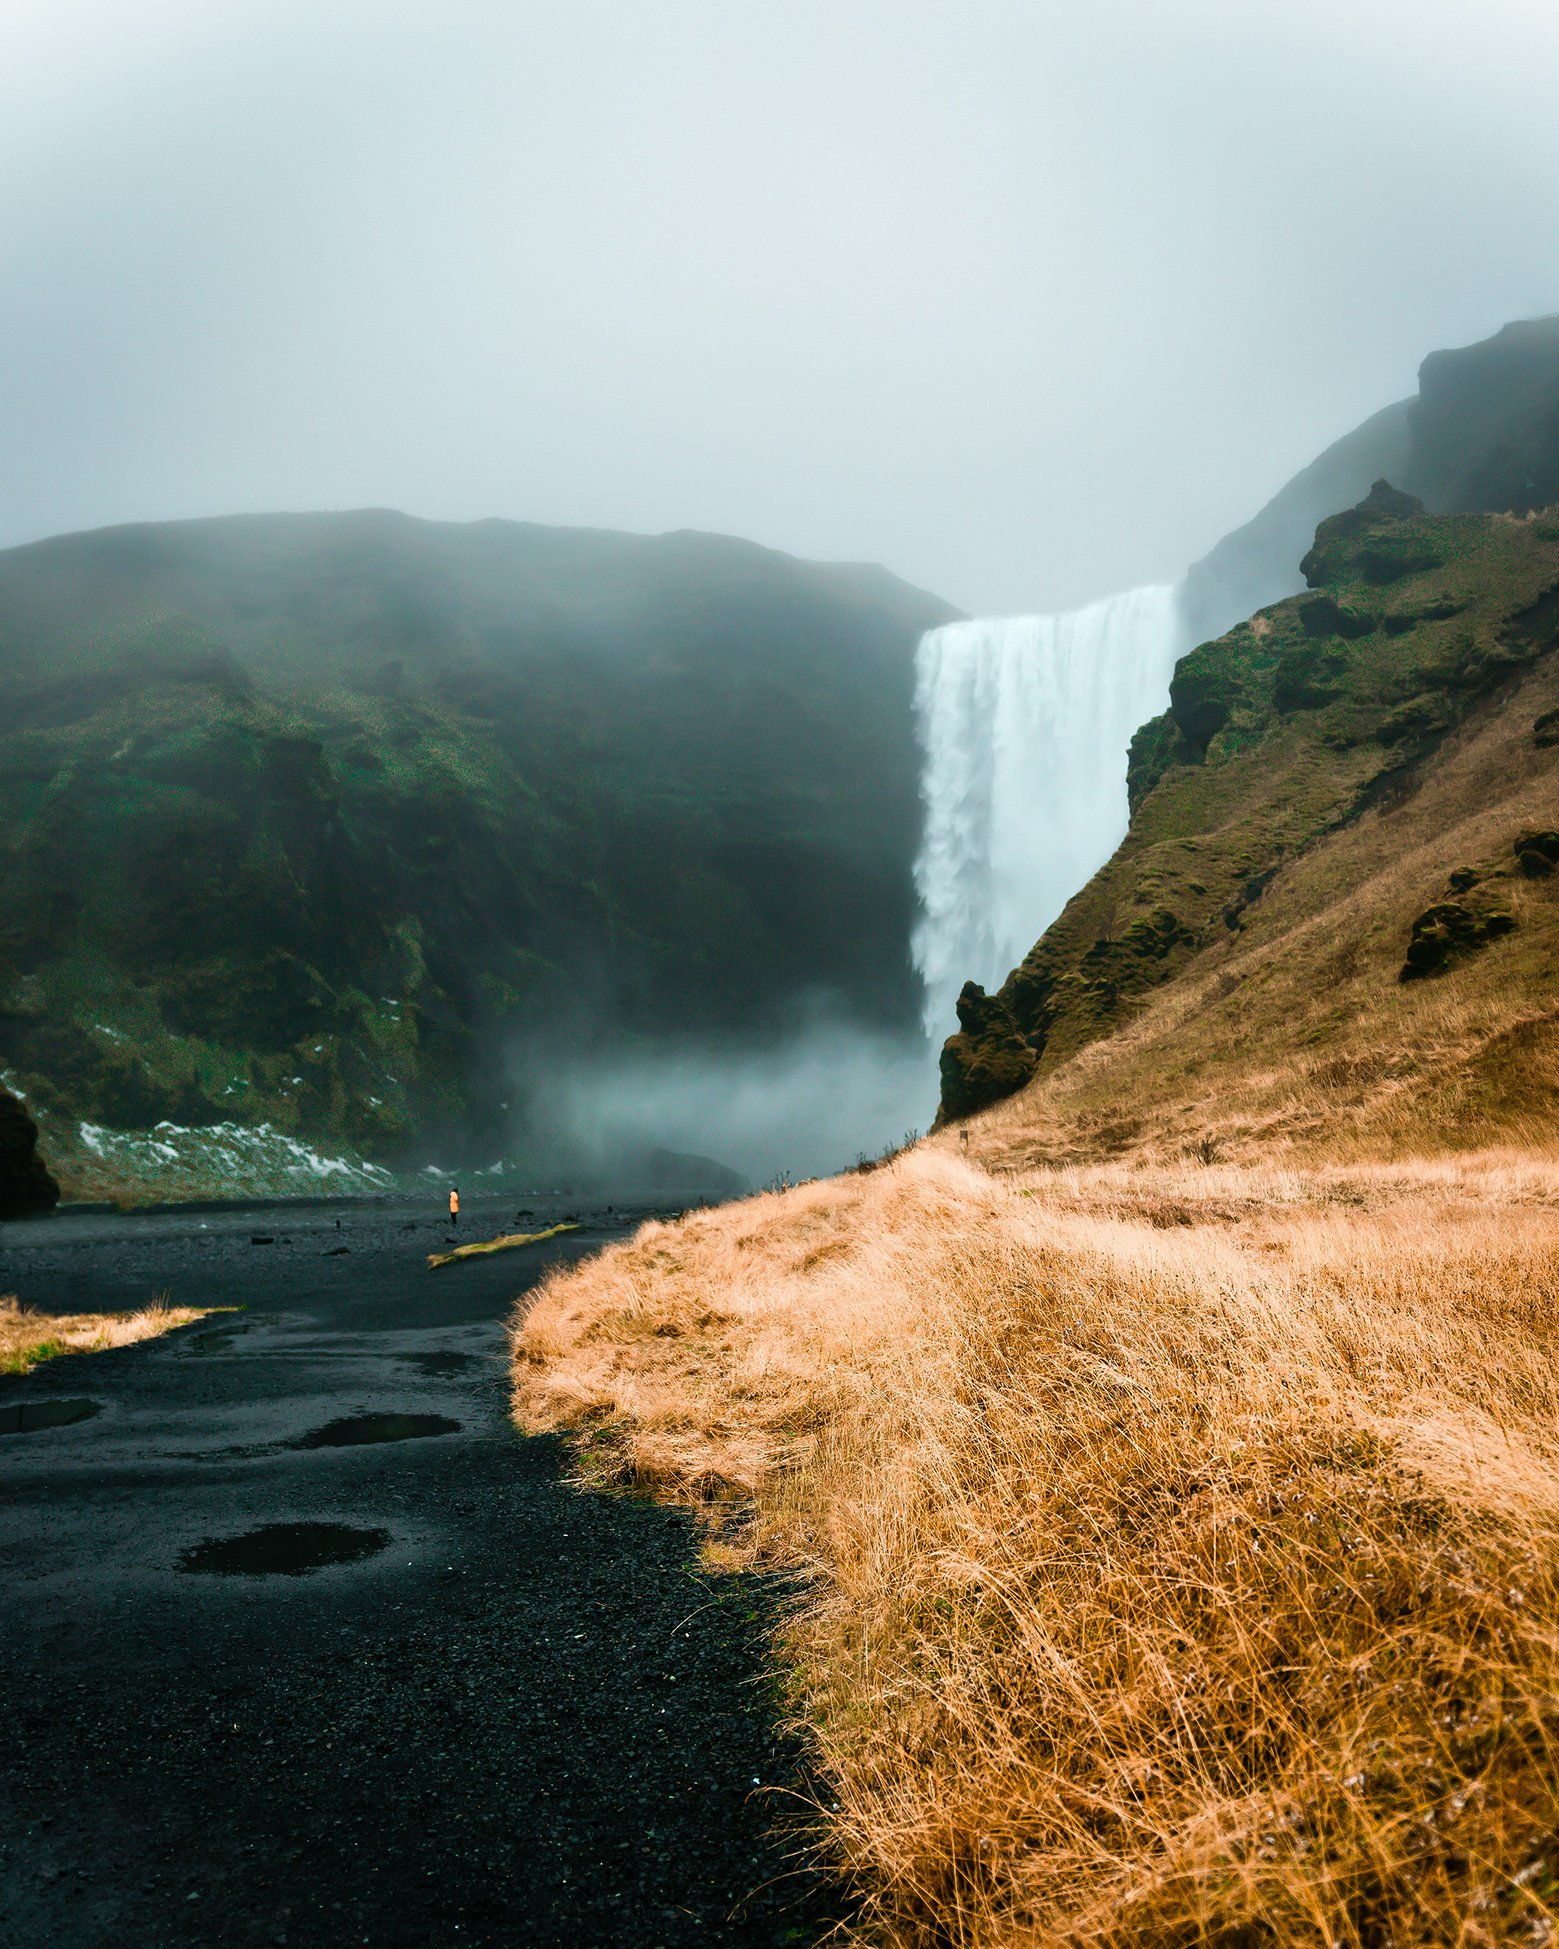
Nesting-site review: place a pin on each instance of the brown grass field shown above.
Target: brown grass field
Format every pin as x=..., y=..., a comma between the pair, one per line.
x=28, y=1338
x=1177, y=1546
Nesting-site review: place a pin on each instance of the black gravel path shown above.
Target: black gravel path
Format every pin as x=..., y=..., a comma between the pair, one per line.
x=519, y=1716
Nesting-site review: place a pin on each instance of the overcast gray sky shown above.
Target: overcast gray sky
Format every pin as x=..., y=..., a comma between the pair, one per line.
x=1029, y=301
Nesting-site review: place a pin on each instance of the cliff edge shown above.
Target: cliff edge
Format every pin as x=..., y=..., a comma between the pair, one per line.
x=1344, y=711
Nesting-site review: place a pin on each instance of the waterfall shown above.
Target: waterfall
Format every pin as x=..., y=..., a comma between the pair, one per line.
x=1024, y=724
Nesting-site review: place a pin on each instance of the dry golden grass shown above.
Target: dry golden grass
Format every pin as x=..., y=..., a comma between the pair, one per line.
x=1177, y=1543
x=28, y=1337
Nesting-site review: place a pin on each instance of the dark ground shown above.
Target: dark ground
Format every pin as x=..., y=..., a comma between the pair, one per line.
x=526, y=1719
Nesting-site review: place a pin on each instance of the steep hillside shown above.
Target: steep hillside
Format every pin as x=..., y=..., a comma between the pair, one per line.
x=1484, y=428
x=318, y=820
x=1334, y=909
x=1166, y=1450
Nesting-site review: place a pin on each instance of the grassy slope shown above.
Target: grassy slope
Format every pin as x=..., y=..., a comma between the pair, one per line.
x=1173, y=1477
x=1295, y=1032
x=1286, y=802
x=306, y=817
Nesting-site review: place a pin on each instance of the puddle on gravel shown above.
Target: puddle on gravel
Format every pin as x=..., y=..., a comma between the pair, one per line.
x=216, y=1339
x=438, y=1363
x=355, y=1430
x=26, y=1417
x=282, y=1550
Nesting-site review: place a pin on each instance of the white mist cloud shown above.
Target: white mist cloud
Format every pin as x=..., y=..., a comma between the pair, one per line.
x=1029, y=301
x=806, y=1107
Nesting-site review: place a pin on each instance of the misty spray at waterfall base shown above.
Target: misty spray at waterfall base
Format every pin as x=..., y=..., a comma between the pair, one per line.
x=1025, y=722
x=803, y=1105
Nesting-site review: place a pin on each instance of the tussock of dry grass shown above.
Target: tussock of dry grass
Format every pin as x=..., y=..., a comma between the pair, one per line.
x=28, y=1338
x=1178, y=1543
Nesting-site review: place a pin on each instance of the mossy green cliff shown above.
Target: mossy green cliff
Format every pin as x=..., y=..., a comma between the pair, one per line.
x=325, y=821
x=1480, y=436
x=1284, y=730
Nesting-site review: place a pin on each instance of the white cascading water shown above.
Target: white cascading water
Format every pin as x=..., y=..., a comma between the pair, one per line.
x=1024, y=725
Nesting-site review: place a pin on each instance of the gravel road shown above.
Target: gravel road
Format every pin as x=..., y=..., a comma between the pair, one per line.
x=303, y=1644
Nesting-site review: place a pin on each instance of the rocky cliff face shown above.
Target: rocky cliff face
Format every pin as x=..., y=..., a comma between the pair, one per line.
x=1289, y=728
x=26, y=1188
x=1484, y=430
x=1482, y=434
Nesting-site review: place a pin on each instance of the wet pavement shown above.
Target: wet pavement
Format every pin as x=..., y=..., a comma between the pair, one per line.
x=305, y=1645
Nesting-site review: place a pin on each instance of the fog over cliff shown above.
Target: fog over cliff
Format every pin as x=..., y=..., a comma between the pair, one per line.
x=1029, y=303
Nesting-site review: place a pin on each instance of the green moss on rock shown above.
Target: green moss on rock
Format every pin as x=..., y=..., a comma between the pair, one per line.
x=1447, y=931
x=988, y=1058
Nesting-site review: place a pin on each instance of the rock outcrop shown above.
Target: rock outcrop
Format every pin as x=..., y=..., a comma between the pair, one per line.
x=1445, y=932
x=989, y=1058
x=26, y=1188
x=1482, y=435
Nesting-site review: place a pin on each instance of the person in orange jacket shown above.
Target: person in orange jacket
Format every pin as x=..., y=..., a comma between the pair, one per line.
x=454, y=1204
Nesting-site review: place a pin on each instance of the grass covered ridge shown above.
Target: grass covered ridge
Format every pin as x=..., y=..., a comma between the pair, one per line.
x=1286, y=740
x=1176, y=1544
x=28, y=1338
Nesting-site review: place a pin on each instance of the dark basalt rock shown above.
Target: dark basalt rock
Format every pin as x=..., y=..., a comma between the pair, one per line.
x=1321, y=615
x=1199, y=705
x=1340, y=546
x=1155, y=747
x=26, y=1187
x=1545, y=730
x=1537, y=854
x=988, y=1058
x=1447, y=931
